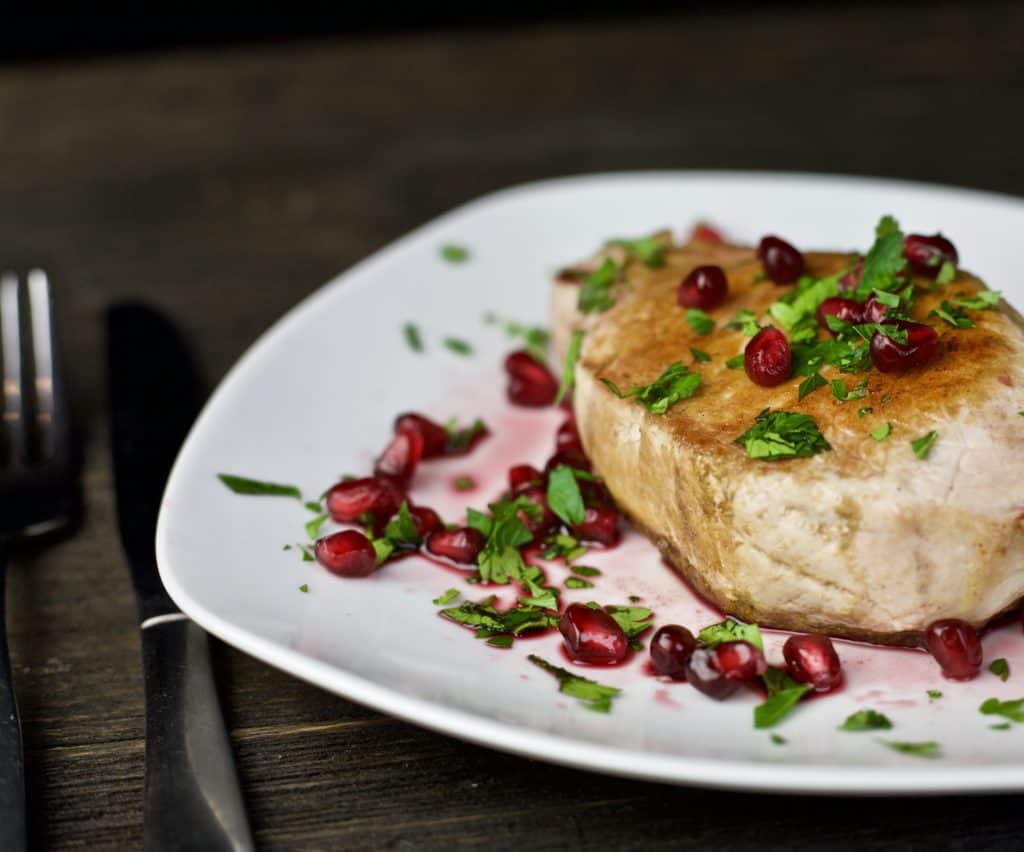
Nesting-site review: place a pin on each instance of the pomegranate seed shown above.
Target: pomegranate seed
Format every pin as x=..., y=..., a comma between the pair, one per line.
x=596, y=494
x=592, y=635
x=852, y=278
x=812, y=659
x=573, y=457
x=719, y=671
x=600, y=524
x=783, y=263
x=401, y=456
x=434, y=435
x=530, y=382
x=348, y=554
x=548, y=520
x=703, y=231
x=460, y=545
x=891, y=357
x=426, y=519
x=671, y=648
x=873, y=310
x=380, y=497
x=567, y=437
x=705, y=287
x=956, y=647
x=845, y=309
x=927, y=254
x=522, y=476
x=768, y=359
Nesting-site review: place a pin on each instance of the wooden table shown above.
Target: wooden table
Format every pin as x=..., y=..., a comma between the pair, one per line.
x=226, y=184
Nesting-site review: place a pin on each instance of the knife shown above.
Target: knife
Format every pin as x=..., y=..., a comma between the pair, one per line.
x=192, y=796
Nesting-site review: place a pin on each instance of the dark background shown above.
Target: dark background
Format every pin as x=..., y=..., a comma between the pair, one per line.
x=223, y=166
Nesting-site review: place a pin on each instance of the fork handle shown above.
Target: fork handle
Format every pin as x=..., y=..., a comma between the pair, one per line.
x=13, y=822
x=193, y=799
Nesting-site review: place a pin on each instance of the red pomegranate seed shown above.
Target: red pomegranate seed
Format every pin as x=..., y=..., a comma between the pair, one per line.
x=768, y=359
x=573, y=457
x=873, y=310
x=592, y=636
x=434, y=435
x=812, y=659
x=522, y=476
x=891, y=357
x=705, y=287
x=401, y=456
x=956, y=647
x=705, y=232
x=568, y=437
x=596, y=494
x=347, y=501
x=426, y=519
x=348, y=554
x=460, y=545
x=927, y=254
x=847, y=310
x=530, y=382
x=783, y=263
x=547, y=521
x=852, y=278
x=671, y=648
x=600, y=524
x=719, y=671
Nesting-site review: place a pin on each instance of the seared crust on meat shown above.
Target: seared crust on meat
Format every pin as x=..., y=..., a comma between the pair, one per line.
x=866, y=541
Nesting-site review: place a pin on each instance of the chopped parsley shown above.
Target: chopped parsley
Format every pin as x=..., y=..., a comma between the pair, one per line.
x=731, y=631
x=783, y=434
x=980, y=301
x=412, y=336
x=884, y=261
x=446, y=598
x=562, y=546
x=1000, y=668
x=306, y=555
x=771, y=711
x=591, y=694
x=649, y=250
x=955, y=316
x=313, y=506
x=534, y=337
x=882, y=432
x=501, y=641
x=809, y=385
x=1000, y=726
x=313, y=526
x=844, y=394
x=703, y=357
x=795, y=311
x=257, y=488
x=538, y=595
x=572, y=356
x=866, y=720
x=585, y=571
x=923, y=445
x=578, y=583
x=595, y=291
x=401, y=529
x=777, y=680
x=1012, y=710
x=464, y=483
x=933, y=694
x=699, y=321
x=564, y=496
x=504, y=531
x=778, y=740
x=736, y=362
x=461, y=438
x=676, y=383
x=454, y=253
x=929, y=749
x=947, y=272
x=458, y=346
x=633, y=620
x=745, y=321
x=304, y=587
x=489, y=621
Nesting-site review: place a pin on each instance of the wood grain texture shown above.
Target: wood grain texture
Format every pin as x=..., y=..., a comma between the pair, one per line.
x=224, y=185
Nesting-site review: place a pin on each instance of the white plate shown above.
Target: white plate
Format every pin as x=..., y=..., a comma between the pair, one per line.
x=315, y=398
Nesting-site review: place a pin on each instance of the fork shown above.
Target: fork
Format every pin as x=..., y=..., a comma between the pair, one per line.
x=38, y=494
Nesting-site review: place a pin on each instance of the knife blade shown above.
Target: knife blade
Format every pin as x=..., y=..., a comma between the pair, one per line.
x=192, y=796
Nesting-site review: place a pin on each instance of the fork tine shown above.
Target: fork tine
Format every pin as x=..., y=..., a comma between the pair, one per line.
x=42, y=356
x=10, y=345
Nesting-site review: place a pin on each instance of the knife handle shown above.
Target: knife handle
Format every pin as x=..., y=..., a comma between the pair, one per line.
x=13, y=824
x=193, y=800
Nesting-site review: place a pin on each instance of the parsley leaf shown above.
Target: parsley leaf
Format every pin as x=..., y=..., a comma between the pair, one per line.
x=1000, y=668
x=458, y=346
x=933, y=694
x=562, y=546
x=402, y=529
x=844, y=394
x=501, y=641
x=674, y=384
x=463, y=438
x=488, y=621
x=505, y=532
x=699, y=321
x=564, y=496
x=882, y=432
x=585, y=570
x=923, y=445
x=703, y=357
x=809, y=385
x=446, y=598
x=1000, y=726
x=866, y=720
x=947, y=272
x=736, y=362
x=777, y=680
x=953, y=315
x=572, y=355
x=464, y=483
x=633, y=620
x=928, y=749
x=412, y=336
x=454, y=253
x=745, y=321
x=650, y=250
x=776, y=707
x=778, y=740
x=256, y=488
x=304, y=587
x=783, y=434
x=980, y=301
x=731, y=631
x=591, y=694
x=595, y=290
x=578, y=583
x=313, y=526
x=795, y=310
x=884, y=261
x=1012, y=710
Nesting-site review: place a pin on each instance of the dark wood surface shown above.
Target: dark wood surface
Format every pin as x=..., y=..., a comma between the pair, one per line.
x=225, y=184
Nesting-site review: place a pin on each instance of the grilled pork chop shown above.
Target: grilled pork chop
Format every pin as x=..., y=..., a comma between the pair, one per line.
x=865, y=541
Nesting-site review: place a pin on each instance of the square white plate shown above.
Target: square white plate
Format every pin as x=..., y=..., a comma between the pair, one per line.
x=315, y=398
